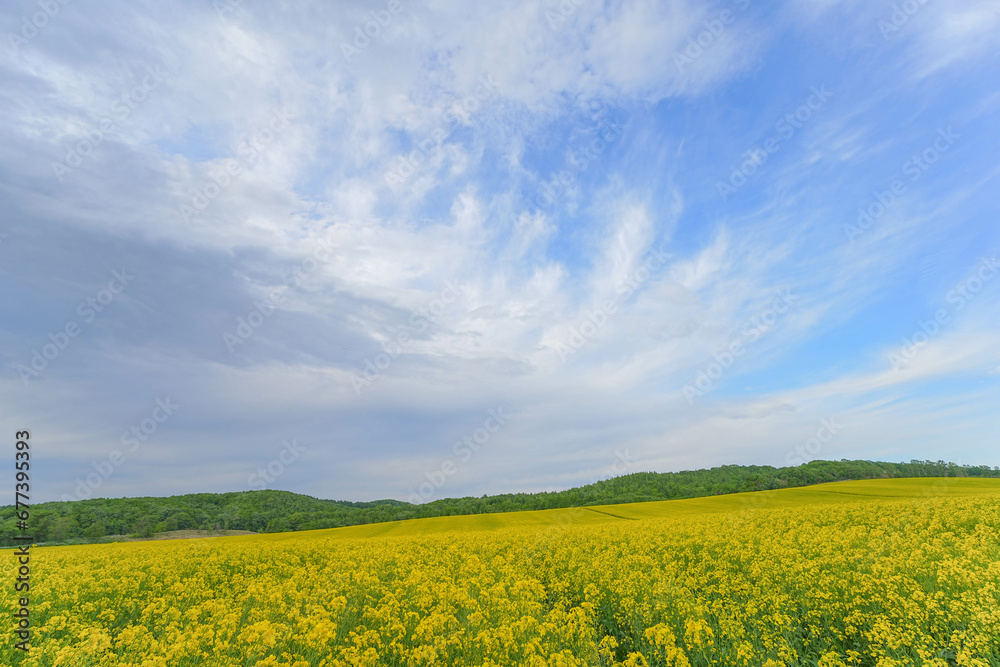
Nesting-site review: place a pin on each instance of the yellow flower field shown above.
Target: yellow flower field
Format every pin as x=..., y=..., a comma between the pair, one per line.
x=900, y=572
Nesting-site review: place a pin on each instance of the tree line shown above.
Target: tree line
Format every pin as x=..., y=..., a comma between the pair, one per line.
x=101, y=519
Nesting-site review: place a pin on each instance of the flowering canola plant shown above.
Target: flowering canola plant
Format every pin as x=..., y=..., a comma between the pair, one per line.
x=886, y=580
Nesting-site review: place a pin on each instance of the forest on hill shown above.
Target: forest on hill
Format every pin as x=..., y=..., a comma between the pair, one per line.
x=100, y=519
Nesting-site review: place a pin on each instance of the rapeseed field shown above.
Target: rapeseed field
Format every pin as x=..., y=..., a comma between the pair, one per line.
x=887, y=573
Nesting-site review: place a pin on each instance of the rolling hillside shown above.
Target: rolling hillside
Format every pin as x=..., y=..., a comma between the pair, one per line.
x=834, y=493
x=273, y=511
x=873, y=572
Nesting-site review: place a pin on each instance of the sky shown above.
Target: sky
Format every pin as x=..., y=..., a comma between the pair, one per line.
x=424, y=249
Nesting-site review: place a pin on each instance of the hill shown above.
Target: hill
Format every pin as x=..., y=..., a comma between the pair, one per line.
x=283, y=511
x=729, y=509
x=878, y=571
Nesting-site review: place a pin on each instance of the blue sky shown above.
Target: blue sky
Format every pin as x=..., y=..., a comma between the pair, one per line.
x=629, y=229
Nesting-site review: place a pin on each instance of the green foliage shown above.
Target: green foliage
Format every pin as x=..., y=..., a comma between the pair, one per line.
x=280, y=511
x=96, y=530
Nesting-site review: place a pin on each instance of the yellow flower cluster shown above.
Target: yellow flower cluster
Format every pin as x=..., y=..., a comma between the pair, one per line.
x=883, y=582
